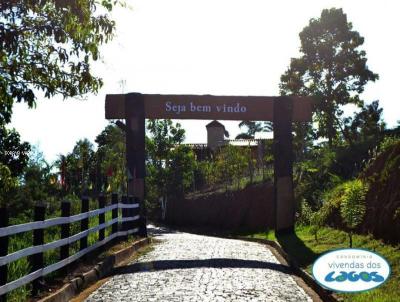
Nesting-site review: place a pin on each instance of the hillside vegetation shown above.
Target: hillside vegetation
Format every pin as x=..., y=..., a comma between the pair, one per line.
x=381, y=217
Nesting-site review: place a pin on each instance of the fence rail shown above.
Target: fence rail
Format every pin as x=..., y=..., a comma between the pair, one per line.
x=35, y=252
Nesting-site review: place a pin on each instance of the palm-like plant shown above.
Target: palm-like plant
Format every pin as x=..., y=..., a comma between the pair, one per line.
x=353, y=206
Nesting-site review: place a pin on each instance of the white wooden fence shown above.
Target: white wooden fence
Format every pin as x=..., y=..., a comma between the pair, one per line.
x=121, y=226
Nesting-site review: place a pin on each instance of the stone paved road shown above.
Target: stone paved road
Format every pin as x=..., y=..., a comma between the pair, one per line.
x=187, y=267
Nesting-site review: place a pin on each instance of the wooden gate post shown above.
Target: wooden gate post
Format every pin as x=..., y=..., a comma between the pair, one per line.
x=135, y=150
x=283, y=165
x=3, y=250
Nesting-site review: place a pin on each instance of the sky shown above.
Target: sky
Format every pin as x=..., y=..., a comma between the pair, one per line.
x=219, y=47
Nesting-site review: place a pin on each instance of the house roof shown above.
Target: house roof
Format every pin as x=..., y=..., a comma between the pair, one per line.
x=196, y=146
x=215, y=124
x=244, y=142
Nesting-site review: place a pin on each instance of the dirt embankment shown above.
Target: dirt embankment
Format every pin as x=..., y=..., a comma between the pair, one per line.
x=383, y=199
x=251, y=208
x=382, y=218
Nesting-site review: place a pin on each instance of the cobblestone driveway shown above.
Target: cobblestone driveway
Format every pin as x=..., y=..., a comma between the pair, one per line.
x=187, y=267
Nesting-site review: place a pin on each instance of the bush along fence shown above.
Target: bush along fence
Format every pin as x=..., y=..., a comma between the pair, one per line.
x=130, y=222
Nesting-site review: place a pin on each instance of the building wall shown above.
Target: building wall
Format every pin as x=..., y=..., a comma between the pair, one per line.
x=215, y=137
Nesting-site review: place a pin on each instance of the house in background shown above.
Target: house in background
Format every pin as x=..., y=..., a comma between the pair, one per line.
x=216, y=134
x=217, y=137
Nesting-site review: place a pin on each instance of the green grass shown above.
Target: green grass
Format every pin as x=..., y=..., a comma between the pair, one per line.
x=245, y=180
x=234, y=186
x=269, y=235
x=303, y=248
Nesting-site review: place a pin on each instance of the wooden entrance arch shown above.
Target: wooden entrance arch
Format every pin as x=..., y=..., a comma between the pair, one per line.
x=282, y=111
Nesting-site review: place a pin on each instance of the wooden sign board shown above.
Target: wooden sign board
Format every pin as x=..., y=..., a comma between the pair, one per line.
x=207, y=107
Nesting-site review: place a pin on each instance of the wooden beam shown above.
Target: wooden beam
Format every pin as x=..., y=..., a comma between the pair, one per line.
x=208, y=107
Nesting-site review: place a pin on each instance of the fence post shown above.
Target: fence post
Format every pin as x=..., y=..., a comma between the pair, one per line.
x=36, y=260
x=124, y=200
x=84, y=223
x=114, y=200
x=3, y=250
x=142, y=219
x=65, y=231
x=102, y=217
x=136, y=211
x=131, y=213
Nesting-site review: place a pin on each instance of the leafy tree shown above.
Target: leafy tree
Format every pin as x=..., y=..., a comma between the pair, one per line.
x=13, y=152
x=83, y=156
x=38, y=183
x=304, y=213
x=224, y=164
x=267, y=158
x=48, y=46
x=251, y=163
x=7, y=184
x=244, y=135
x=352, y=209
x=387, y=143
x=241, y=163
x=363, y=133
x=303, y=140
x=110, y=160
x=205, y=174
x=395, y=131
x=160, y=144
x=78, y=167
x=365, y=124
x=164, y=135
x=319, y=218
x=181, y=167
x=252, y=127
x=332, y=68
x=231, y=163
x=13, y=160
x=316, y=223
x=313, y=175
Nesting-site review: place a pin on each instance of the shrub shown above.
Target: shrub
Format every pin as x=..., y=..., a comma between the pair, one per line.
x=305, y=213
x=353, y=207
x=388, y=142
x=7, y=184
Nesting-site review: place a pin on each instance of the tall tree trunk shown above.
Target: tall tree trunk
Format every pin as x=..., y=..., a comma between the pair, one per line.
x=331, y=130
x=330, y=107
